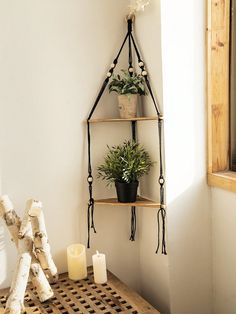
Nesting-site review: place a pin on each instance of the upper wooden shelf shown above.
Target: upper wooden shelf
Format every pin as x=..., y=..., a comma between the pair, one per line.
x=140, y=202
x=122, y=120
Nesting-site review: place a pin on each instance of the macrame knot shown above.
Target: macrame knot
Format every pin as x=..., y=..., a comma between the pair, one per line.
x=130, y=22
x=91, y=202
x=90, y=217
x=91, y=209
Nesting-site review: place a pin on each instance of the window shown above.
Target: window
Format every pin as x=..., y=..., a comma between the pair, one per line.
x=232, y=87
x=218, y=55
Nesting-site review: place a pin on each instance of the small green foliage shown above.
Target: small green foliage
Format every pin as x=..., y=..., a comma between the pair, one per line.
x=127, y=84
x=125, y=163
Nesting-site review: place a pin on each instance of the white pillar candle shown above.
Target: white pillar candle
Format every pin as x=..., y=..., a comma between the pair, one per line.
x=76, y=260
x=99, y=268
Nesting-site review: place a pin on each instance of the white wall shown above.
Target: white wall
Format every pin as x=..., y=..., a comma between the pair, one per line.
x=182, y=281
x=189, y=209
x=53, y=55
x=52, y=61
x=154, y=267
x=224, y=251
x=201, y=221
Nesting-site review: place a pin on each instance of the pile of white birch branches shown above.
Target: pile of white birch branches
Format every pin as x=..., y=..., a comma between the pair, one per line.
x=34, y=261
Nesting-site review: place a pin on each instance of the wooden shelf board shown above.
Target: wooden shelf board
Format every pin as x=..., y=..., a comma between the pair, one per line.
x=122, y=120
x=141, y=202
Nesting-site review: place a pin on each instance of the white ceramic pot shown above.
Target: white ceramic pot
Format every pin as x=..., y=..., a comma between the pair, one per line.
x=128, y=105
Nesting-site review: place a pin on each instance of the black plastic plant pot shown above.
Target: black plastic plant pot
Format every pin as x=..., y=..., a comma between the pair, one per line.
x=126, y=192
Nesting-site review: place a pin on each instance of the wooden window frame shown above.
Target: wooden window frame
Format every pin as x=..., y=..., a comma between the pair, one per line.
x=218, y=100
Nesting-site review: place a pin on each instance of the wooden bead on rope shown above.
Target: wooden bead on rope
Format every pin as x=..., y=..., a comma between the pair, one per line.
x=90, y=179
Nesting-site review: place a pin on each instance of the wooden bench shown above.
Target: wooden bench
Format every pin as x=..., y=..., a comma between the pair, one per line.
x=85, y=297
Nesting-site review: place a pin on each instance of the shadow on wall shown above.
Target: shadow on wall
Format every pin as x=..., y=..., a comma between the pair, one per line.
x=189, y=241
x=3, y=256
x=188, y=226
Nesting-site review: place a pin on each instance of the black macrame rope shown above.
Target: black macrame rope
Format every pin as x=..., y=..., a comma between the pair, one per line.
x=133, y=208
x=109, y=74
x=133, y=130
x=130, y=69
x=133, y=224
x=144, y=73
x=90, y=211
x=161, y=212
x=130, y=57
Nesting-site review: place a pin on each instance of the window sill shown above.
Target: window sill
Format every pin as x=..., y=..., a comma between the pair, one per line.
x=225, y=180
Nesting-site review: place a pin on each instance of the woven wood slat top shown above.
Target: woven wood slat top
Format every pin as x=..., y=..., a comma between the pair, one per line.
x=85, y=297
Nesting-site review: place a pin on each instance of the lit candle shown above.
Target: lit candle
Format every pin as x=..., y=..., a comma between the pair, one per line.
x=76, y=260
x=99, y=268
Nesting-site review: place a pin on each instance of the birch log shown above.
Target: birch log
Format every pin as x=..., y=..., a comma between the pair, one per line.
x=15, y=301
x=37, y=275
x=39, y=281
x=25, y=224
x=11, y=219
x=42, y=247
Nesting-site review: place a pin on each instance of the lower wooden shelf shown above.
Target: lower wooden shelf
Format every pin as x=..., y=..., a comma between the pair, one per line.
x=97, y=120
x=84, y=297
x=140, y=202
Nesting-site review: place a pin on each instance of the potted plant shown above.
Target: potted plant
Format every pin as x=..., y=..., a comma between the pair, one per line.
x=128, y=86
x=124, y=165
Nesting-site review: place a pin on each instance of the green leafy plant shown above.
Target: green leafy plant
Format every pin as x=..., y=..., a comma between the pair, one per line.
x=125, y=163
x=127, y=84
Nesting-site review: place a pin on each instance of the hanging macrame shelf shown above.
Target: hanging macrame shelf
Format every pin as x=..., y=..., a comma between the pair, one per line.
x=141, y=201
